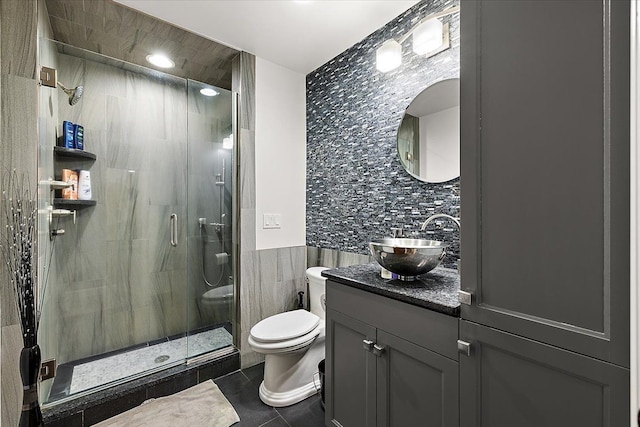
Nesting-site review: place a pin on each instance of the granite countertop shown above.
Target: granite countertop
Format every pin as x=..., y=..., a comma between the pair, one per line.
x=436, y=290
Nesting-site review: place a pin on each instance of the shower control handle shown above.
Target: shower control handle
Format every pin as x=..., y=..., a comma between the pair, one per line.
x=174, y=230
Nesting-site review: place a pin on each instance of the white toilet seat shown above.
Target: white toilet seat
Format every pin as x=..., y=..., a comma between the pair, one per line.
x=285, y=326
x=284, y=332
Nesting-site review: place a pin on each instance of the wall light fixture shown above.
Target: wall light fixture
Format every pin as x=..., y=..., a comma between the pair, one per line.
x=430, y=36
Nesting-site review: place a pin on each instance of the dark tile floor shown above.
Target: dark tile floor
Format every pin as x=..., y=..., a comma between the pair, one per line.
x=241, y=389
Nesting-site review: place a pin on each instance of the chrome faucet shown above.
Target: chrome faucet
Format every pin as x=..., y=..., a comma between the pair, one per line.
x=436, y=216
x=456, y=221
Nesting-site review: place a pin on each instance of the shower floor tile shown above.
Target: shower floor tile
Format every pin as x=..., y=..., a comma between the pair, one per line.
x=86, y=374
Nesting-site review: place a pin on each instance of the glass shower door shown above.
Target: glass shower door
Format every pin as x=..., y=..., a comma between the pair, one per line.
x=115, y=302
x=210, y=219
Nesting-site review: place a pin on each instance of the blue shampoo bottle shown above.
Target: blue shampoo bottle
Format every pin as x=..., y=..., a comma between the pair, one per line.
x=67, y=135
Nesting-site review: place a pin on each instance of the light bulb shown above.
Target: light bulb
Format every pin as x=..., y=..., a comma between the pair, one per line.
x=388, y=56
x=227, y=143
x=207, y=91
x=160, y=60
x=427, y=36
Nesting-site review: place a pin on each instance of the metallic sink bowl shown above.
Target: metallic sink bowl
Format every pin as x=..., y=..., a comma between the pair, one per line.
x=407, y=257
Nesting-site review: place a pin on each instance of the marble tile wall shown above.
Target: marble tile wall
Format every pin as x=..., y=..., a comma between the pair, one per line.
x=356, y=186
x=244, y=68
x=115, y=30
x=18, y=133
x=270, y=282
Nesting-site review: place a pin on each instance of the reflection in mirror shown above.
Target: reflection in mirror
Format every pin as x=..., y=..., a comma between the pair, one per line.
x=429, y=135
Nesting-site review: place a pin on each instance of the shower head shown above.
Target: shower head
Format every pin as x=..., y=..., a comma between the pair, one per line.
x=73, y=94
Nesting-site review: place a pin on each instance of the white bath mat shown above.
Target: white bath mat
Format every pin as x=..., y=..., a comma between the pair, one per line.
x=202, y=405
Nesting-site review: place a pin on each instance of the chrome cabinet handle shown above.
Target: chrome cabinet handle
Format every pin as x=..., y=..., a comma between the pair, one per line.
x=378, y=349
x=174, y=230
x=464, y=348
x=367, y=345
x=464, y=297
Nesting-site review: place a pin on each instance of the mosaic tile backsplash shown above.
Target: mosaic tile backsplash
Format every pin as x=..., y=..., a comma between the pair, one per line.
x=356, y=187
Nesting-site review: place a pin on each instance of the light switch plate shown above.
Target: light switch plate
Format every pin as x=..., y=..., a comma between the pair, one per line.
x=271, y=221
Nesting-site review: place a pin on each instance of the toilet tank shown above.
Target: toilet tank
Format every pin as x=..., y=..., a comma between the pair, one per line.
x=316, y=290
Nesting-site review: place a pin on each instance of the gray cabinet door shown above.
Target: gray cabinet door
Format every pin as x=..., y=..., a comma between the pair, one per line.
x=545, y=171
x=350, y=372
x=415, y=386
x=513, y=381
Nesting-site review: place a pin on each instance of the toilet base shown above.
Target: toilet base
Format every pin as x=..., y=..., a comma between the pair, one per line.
x=290, y=397
x=293, y=376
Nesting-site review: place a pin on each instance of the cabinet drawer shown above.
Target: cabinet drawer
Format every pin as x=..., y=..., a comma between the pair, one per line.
x=429, y=329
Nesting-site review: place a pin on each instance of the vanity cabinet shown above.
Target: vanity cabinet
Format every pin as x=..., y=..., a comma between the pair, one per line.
x=388, y=363
x=508, y=380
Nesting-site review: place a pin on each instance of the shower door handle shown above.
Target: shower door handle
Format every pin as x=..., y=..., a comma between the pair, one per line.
x=174, y=230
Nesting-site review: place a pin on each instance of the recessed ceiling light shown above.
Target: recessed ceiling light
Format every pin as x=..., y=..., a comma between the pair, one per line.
x=207, y=91
x=160, y=60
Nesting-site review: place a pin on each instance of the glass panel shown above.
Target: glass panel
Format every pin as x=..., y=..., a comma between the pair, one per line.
x=115, y=297
x=210, y=218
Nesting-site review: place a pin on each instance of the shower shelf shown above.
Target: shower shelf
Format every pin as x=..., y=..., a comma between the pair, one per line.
x=73, y=153
x=71, y=204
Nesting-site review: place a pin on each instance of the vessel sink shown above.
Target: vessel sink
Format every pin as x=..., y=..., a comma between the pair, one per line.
x=407, y=258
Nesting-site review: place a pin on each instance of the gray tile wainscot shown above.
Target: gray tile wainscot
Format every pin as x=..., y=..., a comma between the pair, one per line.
x=436, y=290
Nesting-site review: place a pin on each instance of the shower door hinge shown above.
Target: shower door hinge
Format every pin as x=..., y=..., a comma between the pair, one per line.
x=48, y=369
x=48, y=77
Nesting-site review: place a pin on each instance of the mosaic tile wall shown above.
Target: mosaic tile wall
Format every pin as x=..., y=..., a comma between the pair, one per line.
x=356, y=187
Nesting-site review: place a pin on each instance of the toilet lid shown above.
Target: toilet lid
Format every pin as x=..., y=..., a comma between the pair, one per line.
x=285, y=326
x=219, y=293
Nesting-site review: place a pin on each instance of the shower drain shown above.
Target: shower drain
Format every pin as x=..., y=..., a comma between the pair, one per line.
x=161, y=359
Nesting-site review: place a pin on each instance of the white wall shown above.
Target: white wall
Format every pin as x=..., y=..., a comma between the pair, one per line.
x=440, y=134
x=280, y=154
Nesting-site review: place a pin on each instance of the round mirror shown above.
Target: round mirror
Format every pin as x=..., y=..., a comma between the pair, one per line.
x=429, y=135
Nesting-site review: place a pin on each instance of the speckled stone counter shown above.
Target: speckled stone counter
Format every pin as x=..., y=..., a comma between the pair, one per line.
x=436, y=290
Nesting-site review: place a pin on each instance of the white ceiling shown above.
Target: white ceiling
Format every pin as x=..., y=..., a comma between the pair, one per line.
x=299, y=35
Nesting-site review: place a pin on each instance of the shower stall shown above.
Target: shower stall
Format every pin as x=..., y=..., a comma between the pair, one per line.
x=141, y=276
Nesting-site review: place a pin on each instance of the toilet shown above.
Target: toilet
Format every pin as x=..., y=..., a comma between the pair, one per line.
x=216, y=304
x=293, y=345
